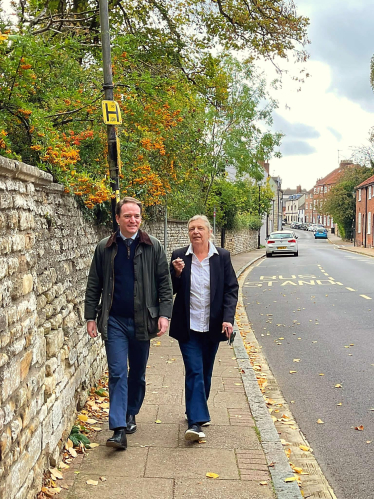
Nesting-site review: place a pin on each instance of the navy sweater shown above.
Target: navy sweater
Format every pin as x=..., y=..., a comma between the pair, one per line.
x=123, y=296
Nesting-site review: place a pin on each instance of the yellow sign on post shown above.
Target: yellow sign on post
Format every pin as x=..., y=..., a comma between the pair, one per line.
x=111, y=112
x=119, y=162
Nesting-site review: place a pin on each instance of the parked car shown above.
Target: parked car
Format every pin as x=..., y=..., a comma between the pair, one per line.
x=282, y=242
x=320, y=233
x=311, y=227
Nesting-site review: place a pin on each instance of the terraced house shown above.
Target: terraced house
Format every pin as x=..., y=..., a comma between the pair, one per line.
x=364, y=213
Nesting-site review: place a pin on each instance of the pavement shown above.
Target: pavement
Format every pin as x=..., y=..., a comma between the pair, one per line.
x=349, y=246
x=239, y=445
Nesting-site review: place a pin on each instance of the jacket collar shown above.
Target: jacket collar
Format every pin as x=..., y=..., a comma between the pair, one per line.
x=143, y=238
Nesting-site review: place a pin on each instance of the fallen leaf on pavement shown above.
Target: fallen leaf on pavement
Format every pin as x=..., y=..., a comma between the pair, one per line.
x=321, y=374
x=56, y=474
x=92, y=482
x=263, y=483
x=212, y=475
x=360, y=428
x=51, y=491
x=102, y=479
x=82, y=417
x=73, y=452
x=338, y=385
x=293, y=372
x=69, y=444
x=339, y=404
x=319, y=421
x=93, y=445
x=158, y=421
x=304, y=448
x=290, y=479
x=287, y=452
x=296, y=360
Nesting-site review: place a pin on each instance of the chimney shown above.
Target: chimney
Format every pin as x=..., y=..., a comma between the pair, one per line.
x=298, y=189
x=265, y=166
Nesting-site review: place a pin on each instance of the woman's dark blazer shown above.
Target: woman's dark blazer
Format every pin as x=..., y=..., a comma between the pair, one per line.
x=223, y=295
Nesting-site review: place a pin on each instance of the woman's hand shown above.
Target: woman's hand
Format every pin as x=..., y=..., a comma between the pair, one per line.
x=227, y=329
x=178, y=265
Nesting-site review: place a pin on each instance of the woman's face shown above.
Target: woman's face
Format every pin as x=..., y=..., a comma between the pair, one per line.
x=198, y=232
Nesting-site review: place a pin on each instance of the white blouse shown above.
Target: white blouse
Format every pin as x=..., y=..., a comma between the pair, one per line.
x=200, y=290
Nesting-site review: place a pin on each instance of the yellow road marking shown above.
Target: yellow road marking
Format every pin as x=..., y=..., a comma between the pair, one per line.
x=350, y=289
x=366, y=297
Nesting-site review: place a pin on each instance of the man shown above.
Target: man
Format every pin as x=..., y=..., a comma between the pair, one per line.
x=129, y=293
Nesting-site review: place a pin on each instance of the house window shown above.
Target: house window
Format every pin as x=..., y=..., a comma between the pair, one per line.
x=369, y=222
x=325, y=188
x=359, y=223
x=359, y=194
x=369, y=195
x=315, y=190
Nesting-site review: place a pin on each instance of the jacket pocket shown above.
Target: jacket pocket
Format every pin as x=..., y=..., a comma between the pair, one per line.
x=152, y=321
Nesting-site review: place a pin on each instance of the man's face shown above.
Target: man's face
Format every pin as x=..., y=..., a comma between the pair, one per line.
x=129, y=219
x=198, y=232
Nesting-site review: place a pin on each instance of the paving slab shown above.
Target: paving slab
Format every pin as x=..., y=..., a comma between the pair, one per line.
x=165, y=397
x=230, y=400
x=194, y=462
x=116, y=487
x=221, y=489
x=106, y=461
x=225, y=437
x=148, y=435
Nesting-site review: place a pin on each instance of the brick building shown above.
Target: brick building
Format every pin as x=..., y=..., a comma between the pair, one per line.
x=364, y=213
x=317, y=196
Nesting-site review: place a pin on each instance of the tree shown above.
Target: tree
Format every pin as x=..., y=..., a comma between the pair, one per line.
x=170, y=88
x=340, y=201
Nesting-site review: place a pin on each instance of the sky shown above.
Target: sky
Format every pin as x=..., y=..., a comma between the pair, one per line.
x=334, y=110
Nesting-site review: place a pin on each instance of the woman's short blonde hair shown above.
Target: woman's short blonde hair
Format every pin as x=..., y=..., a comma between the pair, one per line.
x=206, y=222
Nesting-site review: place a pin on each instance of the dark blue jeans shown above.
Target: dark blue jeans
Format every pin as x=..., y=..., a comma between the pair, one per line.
x=126, y=387
x=198, y=354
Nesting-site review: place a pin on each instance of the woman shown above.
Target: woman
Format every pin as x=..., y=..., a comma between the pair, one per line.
x=203, y=315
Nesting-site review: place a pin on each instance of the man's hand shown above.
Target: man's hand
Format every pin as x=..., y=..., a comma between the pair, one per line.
x=92, y=329
x=163, y=325
x=227, y=329
x=178, y=265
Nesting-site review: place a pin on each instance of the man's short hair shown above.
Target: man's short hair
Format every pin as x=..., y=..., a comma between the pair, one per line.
x=126, y=200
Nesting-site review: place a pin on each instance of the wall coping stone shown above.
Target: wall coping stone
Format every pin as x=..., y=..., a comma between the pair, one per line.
x=22, y=171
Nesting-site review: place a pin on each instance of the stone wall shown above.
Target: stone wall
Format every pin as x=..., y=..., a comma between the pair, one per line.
x=177, y=236
x=47, y=361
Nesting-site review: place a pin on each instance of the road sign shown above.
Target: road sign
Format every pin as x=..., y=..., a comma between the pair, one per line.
x=111, y=112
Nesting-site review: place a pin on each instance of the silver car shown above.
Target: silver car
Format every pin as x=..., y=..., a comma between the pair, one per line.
x=282, y=242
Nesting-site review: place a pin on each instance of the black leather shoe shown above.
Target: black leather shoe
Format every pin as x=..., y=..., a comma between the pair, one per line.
x=118, y=440
x=131, y=424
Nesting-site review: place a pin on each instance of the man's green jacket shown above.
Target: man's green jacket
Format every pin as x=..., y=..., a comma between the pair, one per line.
x=153, y=295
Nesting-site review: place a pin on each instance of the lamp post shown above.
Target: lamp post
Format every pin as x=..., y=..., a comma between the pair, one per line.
x=108, y=86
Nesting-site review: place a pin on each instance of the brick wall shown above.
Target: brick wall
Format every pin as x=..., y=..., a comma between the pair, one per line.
x=47, y=361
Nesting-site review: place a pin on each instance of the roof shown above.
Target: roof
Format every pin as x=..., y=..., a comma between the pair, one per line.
x=368, y=181
x=333, y=176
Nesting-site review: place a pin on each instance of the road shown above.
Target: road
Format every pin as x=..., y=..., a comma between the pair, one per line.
x=322, y=304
